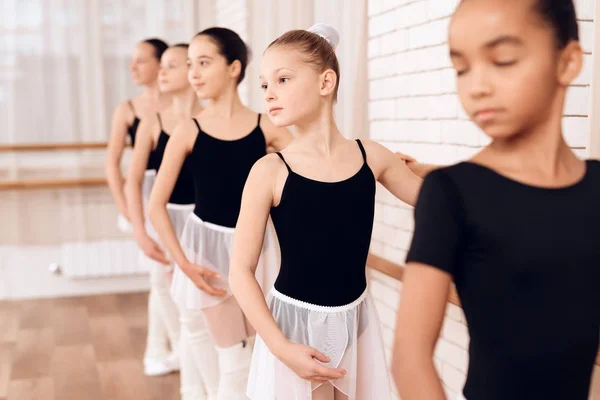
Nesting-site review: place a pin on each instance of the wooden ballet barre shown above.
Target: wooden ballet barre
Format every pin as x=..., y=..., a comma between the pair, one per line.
x=397, y=272
x=52, y=183
x=54, y=146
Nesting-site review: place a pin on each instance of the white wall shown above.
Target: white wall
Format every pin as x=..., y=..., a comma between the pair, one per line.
x=413, y=108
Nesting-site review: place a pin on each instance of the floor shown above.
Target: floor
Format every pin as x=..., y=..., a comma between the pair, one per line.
x=78, y=348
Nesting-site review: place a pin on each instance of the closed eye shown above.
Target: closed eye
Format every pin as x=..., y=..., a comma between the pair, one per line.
x=505, y=63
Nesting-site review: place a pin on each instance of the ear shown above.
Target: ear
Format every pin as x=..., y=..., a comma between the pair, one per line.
x=235, y=69
x=328, y=82
x=570, y=63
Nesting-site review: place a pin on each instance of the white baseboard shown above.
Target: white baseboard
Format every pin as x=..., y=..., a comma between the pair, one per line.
x=24, y=274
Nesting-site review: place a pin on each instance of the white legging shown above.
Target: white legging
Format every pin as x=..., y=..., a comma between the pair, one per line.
x=163, y=316
x=199, y=362
x=217, y=344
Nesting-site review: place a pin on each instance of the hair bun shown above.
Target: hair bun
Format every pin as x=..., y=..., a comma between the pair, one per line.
x=327, y=32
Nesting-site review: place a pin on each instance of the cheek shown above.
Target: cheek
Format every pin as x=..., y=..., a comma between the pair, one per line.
x=182, y=75
x=531, y=87
x=150, y=69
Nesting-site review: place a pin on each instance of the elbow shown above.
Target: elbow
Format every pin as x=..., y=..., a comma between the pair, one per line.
x=403, y=361
x=233, y=279
x=398, y=363
x=238, y=274
x=128, y=189
x=153, y=210
x=110, y=165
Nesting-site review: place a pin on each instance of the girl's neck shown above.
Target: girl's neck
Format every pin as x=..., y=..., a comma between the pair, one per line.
x=151, y=93
x=226, y=105
x=185, y=103
x=319, y=131
x=540, y=150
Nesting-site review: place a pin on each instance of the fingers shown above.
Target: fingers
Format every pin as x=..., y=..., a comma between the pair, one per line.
x=209, y=273
x=323, y=373
x=319, y=356
x=200, y=279
x=159, y=255
x=329, y=373
x=405, y=158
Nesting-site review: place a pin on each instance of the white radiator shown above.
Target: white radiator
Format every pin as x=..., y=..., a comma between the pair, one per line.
x=109, y=258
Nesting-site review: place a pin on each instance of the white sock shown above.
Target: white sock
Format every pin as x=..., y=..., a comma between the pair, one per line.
x=234, y=363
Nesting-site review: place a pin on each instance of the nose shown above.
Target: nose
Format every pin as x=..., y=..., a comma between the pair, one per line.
x=480, y=83
x=194, y=72
x=269, y=94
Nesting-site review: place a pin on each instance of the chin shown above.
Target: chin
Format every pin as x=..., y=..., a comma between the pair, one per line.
x=203, y=94
x=499, y=132
x=281, y=120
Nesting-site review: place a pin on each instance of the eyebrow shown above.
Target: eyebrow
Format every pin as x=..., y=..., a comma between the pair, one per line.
x=276, y=71
x=505, y=39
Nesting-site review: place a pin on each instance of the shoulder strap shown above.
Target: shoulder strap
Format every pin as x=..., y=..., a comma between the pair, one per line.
x=283, y=159
x=362, y=149
x=258, y=122
x=197, y=124
x=159, y=121
x=130, y=103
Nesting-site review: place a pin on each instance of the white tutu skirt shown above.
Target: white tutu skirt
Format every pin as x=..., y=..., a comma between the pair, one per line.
x=349, y=335
x=178, y=213
x=210, y=245
x=149, y=177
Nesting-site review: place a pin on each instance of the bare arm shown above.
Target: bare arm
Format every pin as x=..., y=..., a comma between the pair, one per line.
x=420, y=317
x=277, y=137
x=247, y=245
x=175, y=153
x=178, y=148
x=248, y=241
x=416, y=167
x=116, y=144
x=421, y=169
x=393, y=173
x=135, y=178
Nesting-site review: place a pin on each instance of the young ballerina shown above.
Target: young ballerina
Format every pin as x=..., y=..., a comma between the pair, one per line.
x=152, y=139
x=145, y=62
x=221, y=144
x=318, y=333
x=516, y=227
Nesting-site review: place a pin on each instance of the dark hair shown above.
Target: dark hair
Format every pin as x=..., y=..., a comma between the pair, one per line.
x=560, y=14
x=230, y=45
x=181, y=45
x=159, y=46
x=317, y=50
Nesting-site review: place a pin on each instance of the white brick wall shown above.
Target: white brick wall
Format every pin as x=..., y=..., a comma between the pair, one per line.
x=413, y=108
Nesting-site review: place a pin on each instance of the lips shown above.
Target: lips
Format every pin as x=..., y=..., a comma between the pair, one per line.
x=275, y=110
x=487, y=114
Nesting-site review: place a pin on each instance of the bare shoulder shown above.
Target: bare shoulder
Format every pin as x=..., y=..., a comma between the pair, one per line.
x=123, y=112
x=380, y=158
x=268, y=173
x=268, y=167
x=374, y=148
x=185, y=132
